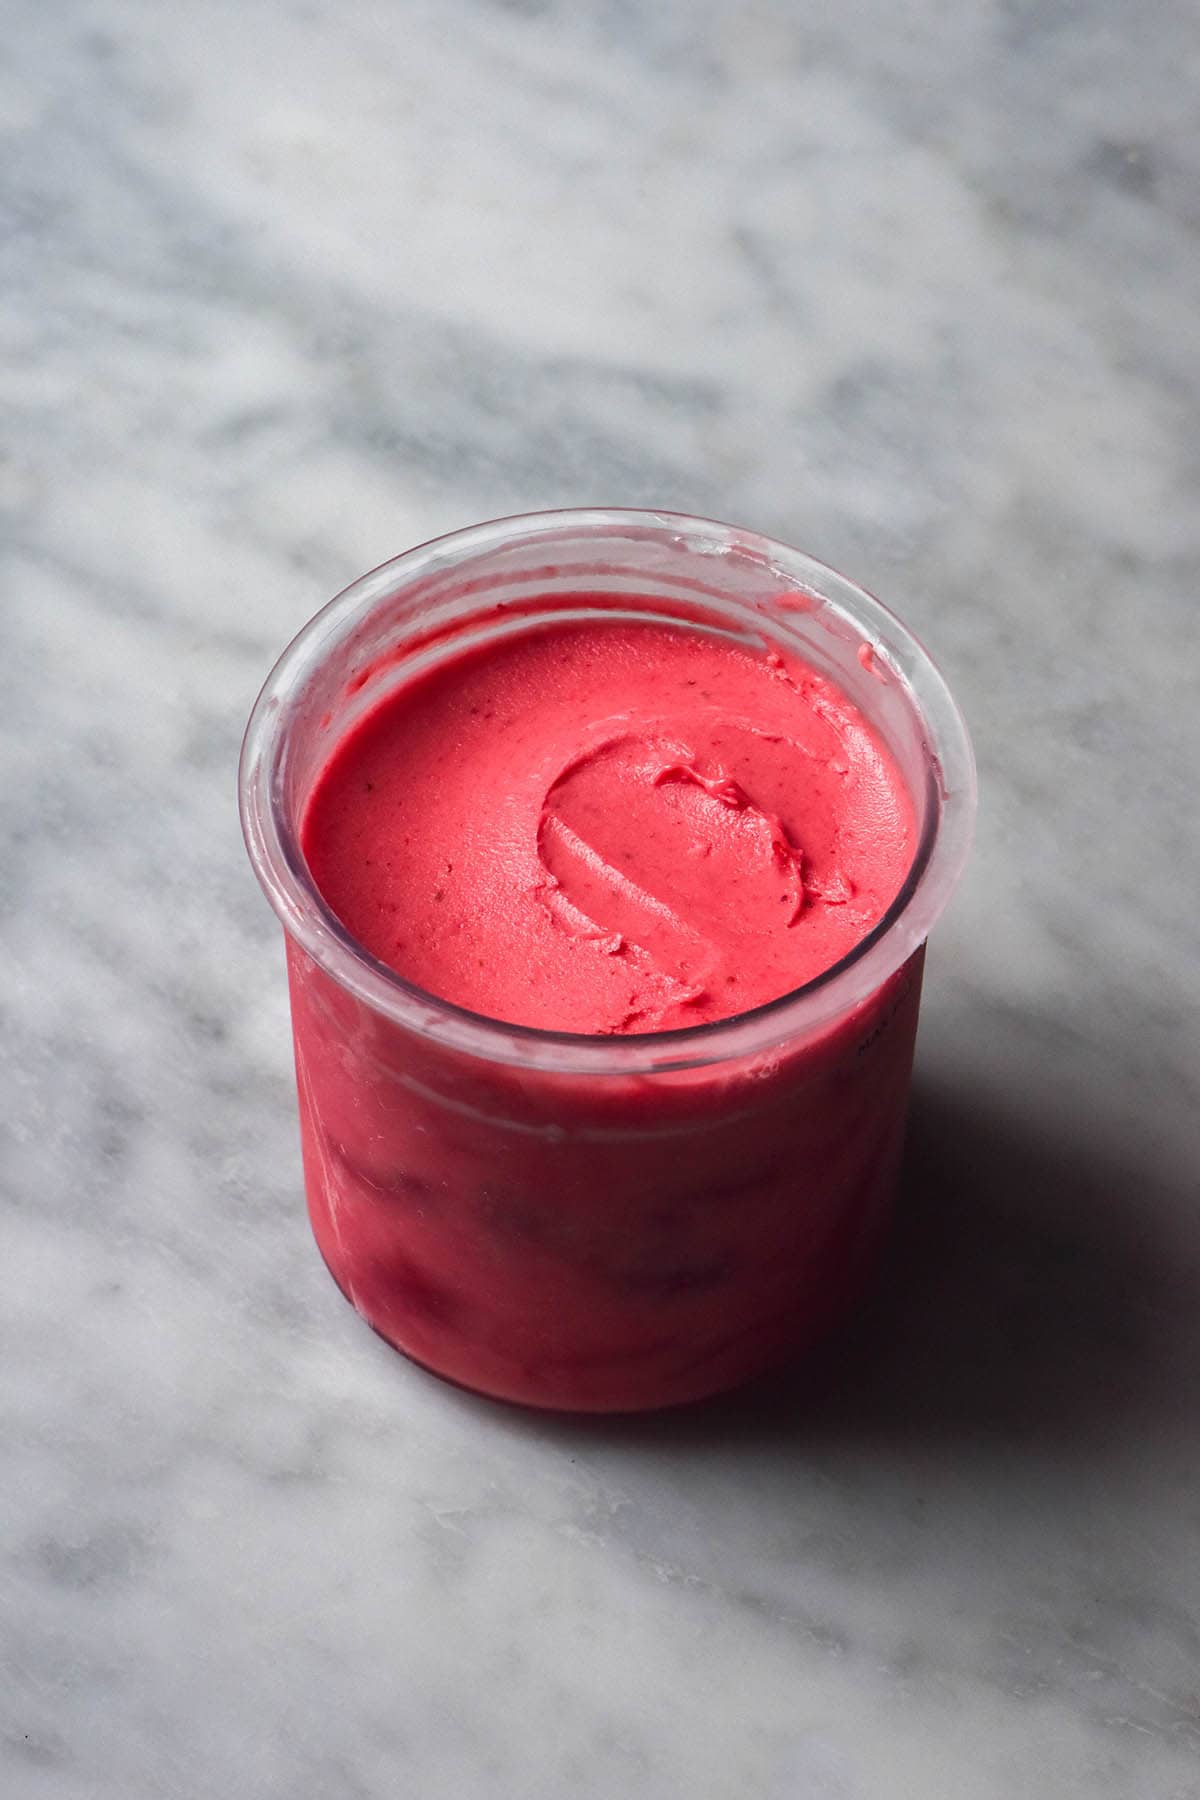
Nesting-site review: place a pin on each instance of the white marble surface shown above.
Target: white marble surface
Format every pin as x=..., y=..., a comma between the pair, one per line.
x=288, y=287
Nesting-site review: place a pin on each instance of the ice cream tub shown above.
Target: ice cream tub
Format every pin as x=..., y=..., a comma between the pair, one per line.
x=604, y=1220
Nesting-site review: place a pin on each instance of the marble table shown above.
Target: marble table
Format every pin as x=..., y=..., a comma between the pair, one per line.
x=288, y=286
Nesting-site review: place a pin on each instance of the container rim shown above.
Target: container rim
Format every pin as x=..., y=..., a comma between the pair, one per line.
x=761, y=1032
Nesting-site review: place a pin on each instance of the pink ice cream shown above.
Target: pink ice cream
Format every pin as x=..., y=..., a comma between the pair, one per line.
x=608, y=828
x=611, y=827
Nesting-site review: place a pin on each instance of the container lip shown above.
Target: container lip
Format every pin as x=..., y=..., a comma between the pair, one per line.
x=937, y=865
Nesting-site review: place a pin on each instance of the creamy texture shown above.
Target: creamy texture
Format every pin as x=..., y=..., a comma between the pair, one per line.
x=611, y=827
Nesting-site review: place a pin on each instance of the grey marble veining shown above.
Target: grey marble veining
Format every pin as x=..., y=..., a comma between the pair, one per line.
x=286, y=288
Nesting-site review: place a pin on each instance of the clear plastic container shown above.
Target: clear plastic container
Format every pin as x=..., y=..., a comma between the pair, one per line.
x=600, y=1223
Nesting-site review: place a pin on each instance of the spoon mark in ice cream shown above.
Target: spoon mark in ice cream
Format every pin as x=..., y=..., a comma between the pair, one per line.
x=638, y=816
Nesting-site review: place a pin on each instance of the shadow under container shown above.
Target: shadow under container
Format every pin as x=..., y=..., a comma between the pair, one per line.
x=600, y=1223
